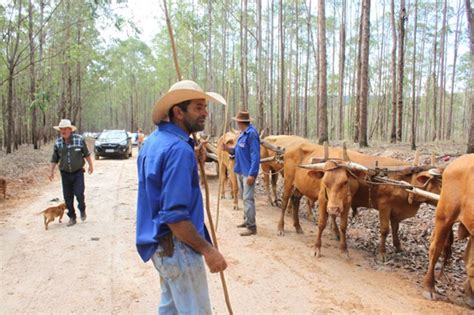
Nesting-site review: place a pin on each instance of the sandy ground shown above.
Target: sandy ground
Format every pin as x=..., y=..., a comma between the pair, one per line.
x=93, y=266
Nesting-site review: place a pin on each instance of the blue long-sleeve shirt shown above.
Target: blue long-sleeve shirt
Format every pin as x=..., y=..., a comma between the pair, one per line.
x=168, y=187
x=247, y=152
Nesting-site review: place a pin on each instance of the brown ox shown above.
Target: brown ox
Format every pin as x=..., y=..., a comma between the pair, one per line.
x=456, y=203
x=338, y=184
x=394, y=203
x=226, y=166
x=273, y=168
x=297, y=180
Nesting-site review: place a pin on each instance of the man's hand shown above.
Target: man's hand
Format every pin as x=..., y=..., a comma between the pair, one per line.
x=51, y=176
x=200, y=152
x=90, y=170
x=251, y=180
x=214, y=260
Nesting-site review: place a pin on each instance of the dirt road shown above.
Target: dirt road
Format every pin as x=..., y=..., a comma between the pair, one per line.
x=93, y=267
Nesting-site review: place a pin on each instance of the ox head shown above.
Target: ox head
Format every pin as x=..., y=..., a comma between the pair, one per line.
x=429, y=180
x=338, y=182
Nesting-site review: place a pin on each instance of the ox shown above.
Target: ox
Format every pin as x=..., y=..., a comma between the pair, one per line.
x=226, y=166
x=456, y=203
x=338, y=184
x=271, y=169
x=394, y=203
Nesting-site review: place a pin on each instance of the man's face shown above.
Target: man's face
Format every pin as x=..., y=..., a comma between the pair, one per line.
x=195, y=116
x=65, y=132
x=242, y=126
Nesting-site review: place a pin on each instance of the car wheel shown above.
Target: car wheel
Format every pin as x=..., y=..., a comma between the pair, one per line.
x=96, y=156
x=126, y=156
x=130, y=154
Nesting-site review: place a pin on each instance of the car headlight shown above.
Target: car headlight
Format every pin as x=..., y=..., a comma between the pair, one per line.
x=123, y=142
x=97, y=143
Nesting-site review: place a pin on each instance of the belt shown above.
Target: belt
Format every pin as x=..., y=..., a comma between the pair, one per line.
x=167, y=245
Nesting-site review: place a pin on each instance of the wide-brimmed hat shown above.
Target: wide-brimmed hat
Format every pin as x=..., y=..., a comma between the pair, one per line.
x=243, y=116
x=65, y=123
x=179, y=92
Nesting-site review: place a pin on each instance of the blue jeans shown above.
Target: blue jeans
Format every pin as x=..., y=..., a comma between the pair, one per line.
x=247, y=193
x=183, y=281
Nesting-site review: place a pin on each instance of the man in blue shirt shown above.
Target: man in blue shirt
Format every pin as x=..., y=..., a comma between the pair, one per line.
x=247, y=163
x=170, y=217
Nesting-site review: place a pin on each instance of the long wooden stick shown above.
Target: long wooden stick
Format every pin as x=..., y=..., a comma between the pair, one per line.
x=201, y=168
x=219, y=189
x=173, y=46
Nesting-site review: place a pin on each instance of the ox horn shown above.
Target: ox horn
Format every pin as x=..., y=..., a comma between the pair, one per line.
x=416, y=159
x=433, y=159
x=357, y=167
x=326, y=150
x=345, y=156
x=434, y=172
x=317, y=166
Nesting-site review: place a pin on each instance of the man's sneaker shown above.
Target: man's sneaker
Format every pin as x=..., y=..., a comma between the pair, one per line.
x=249, y=232
x=71, y=222
x=242, y=225
x=83, y=216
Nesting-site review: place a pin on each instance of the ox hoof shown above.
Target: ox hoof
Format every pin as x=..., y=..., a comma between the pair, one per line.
x=299, y=230
x=236, y=208
x=317, y=252
x=281, y=232
x=429, y=295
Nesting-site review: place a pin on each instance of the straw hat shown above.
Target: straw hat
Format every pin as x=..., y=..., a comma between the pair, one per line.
x=243, y=116
x=181, y=91
x=65, y=123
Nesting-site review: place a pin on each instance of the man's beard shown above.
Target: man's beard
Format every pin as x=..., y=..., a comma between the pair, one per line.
x=193, y=126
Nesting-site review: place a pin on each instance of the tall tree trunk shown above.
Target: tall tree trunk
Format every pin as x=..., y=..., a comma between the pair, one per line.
x=442, y=74
x=413, y=84
x=342, y=61
x=282, y=69
x=272, y=105
x=364, y=72
x=453, y=75
x=260, y=104
x=323, y=112
x=435, y=79
x=306, y=83
x=358, y=79
x=470, y=24
x=401, y=65
x=34, y=110
x=393, y=133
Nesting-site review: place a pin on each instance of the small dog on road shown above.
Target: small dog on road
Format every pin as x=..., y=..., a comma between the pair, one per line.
x=52, y=212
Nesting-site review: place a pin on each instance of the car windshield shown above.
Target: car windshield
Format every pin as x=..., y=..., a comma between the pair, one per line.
x=116, y=135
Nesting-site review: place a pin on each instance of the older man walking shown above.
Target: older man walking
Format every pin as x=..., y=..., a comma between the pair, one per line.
x=70, y=151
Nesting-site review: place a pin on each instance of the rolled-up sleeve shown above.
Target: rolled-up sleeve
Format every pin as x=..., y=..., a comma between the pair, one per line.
x=254, y=144
x=176, y=195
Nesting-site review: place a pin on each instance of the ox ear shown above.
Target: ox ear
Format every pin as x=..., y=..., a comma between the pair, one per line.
x=422, y=178
x=316, y=174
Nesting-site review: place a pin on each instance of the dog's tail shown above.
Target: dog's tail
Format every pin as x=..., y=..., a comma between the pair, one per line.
x=39, y=213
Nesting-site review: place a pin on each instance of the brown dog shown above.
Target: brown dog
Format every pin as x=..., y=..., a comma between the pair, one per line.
x=3, y=187
x=53, y=212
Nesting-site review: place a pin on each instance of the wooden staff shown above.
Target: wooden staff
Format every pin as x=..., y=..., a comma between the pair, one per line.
x=219, y=162
x=201, y=167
